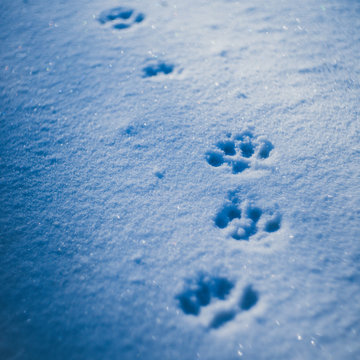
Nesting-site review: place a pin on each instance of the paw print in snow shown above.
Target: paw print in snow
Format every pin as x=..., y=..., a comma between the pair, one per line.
x=121, y=17
x=201, y=292
x=242, y=221
x=158, y=68
x=239, y=151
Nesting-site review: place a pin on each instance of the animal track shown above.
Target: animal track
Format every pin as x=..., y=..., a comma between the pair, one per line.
x=238, y=151
x=243, y=221
x=204, y=289
x=121, y=17
x=200, y=293
x=158, y=68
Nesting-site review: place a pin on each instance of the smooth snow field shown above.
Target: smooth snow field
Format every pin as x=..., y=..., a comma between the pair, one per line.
x=179, y=179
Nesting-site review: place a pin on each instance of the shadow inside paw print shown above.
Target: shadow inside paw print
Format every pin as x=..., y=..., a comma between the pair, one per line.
x=244, y=220
x=121, y=17
x=157, y=69
x=249, y=298
x=248, y=226
x=247, y=301
x=238, y=151
x=200, y=293
x=222, y=317
x=226, y=215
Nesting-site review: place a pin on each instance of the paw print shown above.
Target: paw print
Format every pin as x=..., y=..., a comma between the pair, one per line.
x=239, y=151
x=121, y=17
x=200, y=292
x=242, y=221
x=209, y=292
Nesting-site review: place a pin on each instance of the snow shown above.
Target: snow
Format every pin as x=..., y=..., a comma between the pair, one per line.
x=129, y=228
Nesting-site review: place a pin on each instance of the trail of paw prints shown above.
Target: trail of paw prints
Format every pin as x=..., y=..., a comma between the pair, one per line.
x=239, y=151
x=121, y=17
x=206, y=290
x=243, y=221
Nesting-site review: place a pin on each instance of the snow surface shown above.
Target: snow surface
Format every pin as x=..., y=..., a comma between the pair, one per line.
x=121, y=238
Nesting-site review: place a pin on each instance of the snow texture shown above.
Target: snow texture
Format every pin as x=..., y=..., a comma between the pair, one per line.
x=179, y=179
